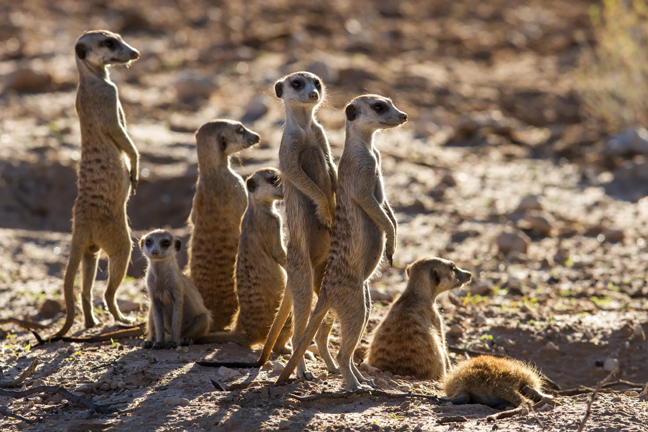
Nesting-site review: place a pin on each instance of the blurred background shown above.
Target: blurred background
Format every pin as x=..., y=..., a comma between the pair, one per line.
x=523, y=160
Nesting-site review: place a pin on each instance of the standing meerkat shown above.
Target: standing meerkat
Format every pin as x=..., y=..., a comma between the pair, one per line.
x=107, y=172
x=411, y=340
x=364, y=227
x=218, y=206
x=176, y=306
x=260, y=274
x=496, y=382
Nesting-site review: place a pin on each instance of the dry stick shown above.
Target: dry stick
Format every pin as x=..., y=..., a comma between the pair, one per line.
x=23, y=376
x=359, y=392
x=588, y=412
x=135, y=331
x=63, y=392
x=29, y=325
x=582, y=389
x=19, y=417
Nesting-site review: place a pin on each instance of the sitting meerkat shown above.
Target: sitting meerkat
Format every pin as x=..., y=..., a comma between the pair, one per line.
x=496, y=382
x=260, y=264
x=363, y=229
x=108, y=172
x=411, y=339
x=176, y=308
x=218, y=206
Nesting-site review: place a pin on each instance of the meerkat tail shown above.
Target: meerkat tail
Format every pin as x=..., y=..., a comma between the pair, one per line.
x=275, y=330
x=74, y=261
x=223, y=337
x=321, y=309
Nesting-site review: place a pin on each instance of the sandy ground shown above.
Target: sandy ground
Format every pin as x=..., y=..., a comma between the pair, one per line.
x=494, y=118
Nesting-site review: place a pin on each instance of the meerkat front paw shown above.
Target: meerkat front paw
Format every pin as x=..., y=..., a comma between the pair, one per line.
x=147, y=344
x=171, y=345
x=185, y=342
x=158, y=345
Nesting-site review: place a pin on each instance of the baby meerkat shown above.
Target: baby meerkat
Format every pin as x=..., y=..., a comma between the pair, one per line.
x=176, y=308
x=107, y=172
x=496, y=382
x=411, y=339
x=260, y=274
x=218, y=206
x=364, y=228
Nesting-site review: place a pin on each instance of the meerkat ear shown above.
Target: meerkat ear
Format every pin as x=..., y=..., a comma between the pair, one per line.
x=178, y=245
x=351, y=112
x=279, y=89
x=436, y=277
x=80, y=50
x=407, y=269
x=223, y=142
x=251, y=184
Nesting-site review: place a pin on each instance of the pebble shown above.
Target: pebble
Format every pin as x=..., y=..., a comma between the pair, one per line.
x=313, y=349
x=529, y=202
x=639, y=335
x=190, y=85
x=631, y=141
x=277, y=366
x=368, y=368
x=284, y=425
x=255, y=109
x=539, y=224
x=264, y=393
x=481, y=287
x=610, y=364
x=176, y=401
x=509, y=241
x=28, y=80
x=404, y=388
x=456, y=330
x=227, y=372
x=49, y=309
x=631, y=393
x=552, y=346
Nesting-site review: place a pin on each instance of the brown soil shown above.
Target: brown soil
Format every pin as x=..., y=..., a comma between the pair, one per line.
x=489, y=88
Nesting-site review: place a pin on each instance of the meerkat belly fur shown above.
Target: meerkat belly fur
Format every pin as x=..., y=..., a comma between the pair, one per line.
x=260, y=274
x=107, y=172
x=496, y=382
x=218, y=206
x=364, y=227
x=177, y=308
x=411, y=339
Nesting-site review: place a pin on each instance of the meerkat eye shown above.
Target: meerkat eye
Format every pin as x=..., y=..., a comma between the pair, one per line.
x=241, y=130
x=296, y=84
x=274, y=179
x=110, y=44
x=378, y=107
x=148, y=242
x=166, y=243
x=317, y=84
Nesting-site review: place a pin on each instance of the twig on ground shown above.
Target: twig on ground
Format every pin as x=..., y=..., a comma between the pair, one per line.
x=217, y=385
x=135, y=331
x=583, y=390
x=29, y=325
x=19, y=417
x=452, y=419
x=326, y=395
x=588, y=412
x=23, y=376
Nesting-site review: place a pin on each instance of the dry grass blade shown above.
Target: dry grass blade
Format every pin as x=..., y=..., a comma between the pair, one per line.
x=19, y=417
x=23, y=376
x=29, y=325
x=326, y=395
x=588, y=412
x=135, y=331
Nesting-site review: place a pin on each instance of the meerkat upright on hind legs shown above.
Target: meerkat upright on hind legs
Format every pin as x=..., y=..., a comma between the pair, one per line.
x=364, y=227
x=260, y=274
x=107, y=172
x=176, y=305
x=411, y=339
x=218, y=206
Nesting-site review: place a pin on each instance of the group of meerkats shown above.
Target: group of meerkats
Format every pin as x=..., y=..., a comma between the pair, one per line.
x=339, y=224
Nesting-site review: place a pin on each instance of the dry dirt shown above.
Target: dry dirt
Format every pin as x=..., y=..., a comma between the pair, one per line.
x=488, y=86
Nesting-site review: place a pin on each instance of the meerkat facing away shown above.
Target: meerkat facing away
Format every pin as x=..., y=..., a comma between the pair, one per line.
x=364, y=227
x=218, y=206
x=176, y=308
x=496, y=382
x=260, y=274
x=107, y=172
x=411, y=339
x=309, y=178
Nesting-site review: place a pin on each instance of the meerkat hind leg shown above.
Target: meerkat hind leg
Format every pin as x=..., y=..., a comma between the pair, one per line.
x=322, y=338
x=351, y=327
x=118, y=264
x=89, y=271
x=300, y=284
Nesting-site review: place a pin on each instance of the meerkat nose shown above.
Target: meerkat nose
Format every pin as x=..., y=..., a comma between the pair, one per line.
x=155, y=253
x=313, y=95
x=135, y=55
x=403, y=117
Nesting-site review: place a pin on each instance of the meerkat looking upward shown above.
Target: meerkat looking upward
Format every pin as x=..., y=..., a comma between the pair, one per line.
x=411, y=339
x=176, y=306
x=218, y=206
x=364, y=227
x=107, y=173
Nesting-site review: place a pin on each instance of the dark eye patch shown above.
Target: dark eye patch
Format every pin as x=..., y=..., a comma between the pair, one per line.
x=274, y=179
x=241, y=130
x=110, y=43
x=166, y=243
x=318, y=85
x=148, y=242
x=379, y=107
x=296, y=84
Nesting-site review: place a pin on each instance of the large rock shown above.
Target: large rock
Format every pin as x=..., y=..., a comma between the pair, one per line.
x=255, y=109
x=28, y=80
x=630, y=142
x=516, y=241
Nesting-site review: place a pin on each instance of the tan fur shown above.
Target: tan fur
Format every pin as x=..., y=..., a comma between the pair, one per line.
x=411, y=339
x=218, y=206
x=108, y=170
x=364, y=227
x=176, y=306
x=260, y=274
x=496, y=382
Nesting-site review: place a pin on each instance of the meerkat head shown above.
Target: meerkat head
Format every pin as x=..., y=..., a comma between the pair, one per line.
x=374, y=112
x=221, y=138
x=103, y=48
x=264, y=185
x=441, y=275
x=301, y=88
x=160, y=245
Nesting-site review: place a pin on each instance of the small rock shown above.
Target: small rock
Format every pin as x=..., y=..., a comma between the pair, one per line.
x=326, y=71
x=380, y=382
x=189, y=86
x=529, y=202
x=538, y=223
x=517, y=257
x=127, y=306
x=639, y=335
x=613, y=235
x=277, y=367
x=610, y=364
x=481, y=287
x=284, y=425
x=114, y=385
x=176, y=401
x=552, y=347
x=448, y=180
x=255, y=109
x=104, y=387
x=365, y=367
x=39, y=382
x=28, y=80
x=631, y=393
x=264, y=393
x=632, y=141
x=313, y=349
x=49, y=309
x=227, y=372
x=121, y=384
x=456, y=330
x=404, y=388
x=278, y=391
x=509, y=241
